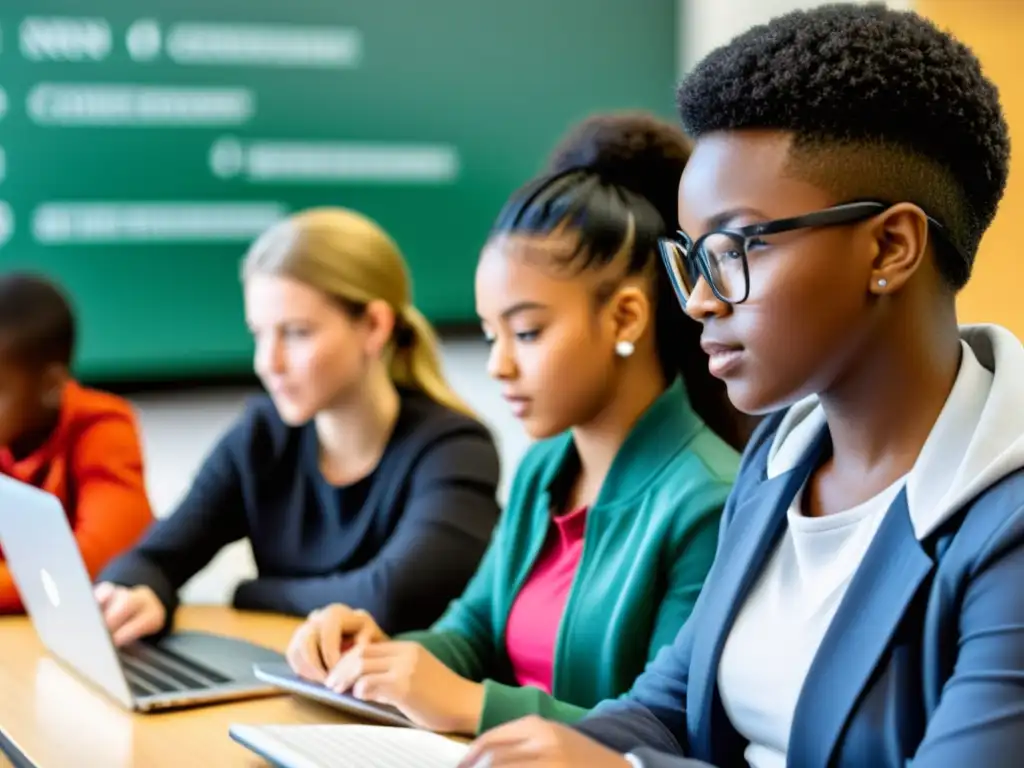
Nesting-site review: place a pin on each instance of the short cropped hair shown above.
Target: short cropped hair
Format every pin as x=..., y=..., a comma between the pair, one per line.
x=36, y=319
x=881, y=104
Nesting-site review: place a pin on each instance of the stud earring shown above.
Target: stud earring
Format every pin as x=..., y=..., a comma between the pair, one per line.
x=882, y=282
x=624, y=348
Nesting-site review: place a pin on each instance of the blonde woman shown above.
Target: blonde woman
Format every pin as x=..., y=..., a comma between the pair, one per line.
x=360, y=477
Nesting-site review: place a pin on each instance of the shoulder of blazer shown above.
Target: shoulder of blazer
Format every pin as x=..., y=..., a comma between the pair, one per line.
x=982, y=529
x=754, y=463
x=985, y=527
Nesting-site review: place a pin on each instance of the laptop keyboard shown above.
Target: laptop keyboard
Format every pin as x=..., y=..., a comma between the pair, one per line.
x=151, y=670
x=346, y=746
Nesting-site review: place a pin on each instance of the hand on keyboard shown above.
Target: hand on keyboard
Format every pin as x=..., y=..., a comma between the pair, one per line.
x=130, y=613
x=410, y=678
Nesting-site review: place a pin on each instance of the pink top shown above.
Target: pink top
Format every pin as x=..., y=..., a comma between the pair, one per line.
x=536, y=614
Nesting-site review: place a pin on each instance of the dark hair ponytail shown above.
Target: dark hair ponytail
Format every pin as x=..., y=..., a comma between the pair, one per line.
x=611, y=176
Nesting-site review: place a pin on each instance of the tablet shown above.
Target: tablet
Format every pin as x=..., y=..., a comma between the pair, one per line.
x=281, y=675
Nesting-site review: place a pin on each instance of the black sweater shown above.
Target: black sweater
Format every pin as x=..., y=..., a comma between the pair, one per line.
x=400, y=544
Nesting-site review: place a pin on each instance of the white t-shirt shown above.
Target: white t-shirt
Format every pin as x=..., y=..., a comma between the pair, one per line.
x=784, y=619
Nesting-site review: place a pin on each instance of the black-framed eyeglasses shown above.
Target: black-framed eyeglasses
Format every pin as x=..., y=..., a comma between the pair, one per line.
x=721, y=256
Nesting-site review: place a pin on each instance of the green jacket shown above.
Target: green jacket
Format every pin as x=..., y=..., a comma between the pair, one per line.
x=649, y=541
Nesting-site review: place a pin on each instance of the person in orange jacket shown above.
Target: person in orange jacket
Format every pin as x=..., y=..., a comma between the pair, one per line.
x=79, y=444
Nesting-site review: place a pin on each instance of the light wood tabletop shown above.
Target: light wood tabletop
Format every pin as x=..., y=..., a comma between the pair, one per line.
x=55, y=720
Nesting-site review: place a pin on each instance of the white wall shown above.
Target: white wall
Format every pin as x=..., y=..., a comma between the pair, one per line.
x=706, y=24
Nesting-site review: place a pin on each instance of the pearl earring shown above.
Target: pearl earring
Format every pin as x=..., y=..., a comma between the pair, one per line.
x=882, y=283
x=624, y=348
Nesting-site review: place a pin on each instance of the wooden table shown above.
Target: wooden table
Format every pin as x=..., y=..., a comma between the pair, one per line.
x=55, y=721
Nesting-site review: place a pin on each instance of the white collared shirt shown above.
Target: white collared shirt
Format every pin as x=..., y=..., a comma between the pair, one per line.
x=783, y=621
x=781, y=625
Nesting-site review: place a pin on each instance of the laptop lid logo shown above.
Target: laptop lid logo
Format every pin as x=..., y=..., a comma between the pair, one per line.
x=51, y=587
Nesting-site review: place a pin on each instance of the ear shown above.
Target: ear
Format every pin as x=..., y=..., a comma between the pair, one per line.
x=902, y=237
x=630, y=313
x=379, y=321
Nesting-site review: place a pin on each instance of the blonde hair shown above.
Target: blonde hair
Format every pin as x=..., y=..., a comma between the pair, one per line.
x=351, y=259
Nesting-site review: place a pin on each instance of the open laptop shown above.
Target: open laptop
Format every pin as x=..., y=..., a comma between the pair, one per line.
x=183, y=669
x=281, y=675
x=349, y=746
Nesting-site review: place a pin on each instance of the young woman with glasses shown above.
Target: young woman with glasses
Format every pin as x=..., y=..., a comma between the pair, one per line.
x=865, y=607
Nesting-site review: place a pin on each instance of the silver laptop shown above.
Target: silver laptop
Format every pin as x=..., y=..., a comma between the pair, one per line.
x=183, y=669
x=282, y=676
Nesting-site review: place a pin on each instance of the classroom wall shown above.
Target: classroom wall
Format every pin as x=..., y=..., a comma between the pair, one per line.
x=994, y=29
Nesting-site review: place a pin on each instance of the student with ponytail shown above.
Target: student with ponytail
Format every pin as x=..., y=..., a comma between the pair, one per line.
x=613, y=515
x=360, y=477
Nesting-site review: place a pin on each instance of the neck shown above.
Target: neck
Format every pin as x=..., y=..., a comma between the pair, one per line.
x=36, y=436
x=598, y=441
x=353, y=435
x=881, y=414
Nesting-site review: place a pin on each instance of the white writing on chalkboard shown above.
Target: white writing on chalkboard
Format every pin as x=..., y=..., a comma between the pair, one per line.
x=64, y=39
x=220, y=103
x=100, y=104
x=278, y=45
x=82, y=40
x=6, y=222
x=143, y=40
x=63, y=223
x=324, y=162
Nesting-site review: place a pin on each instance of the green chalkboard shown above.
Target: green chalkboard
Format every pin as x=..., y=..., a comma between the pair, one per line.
x=145, y=144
